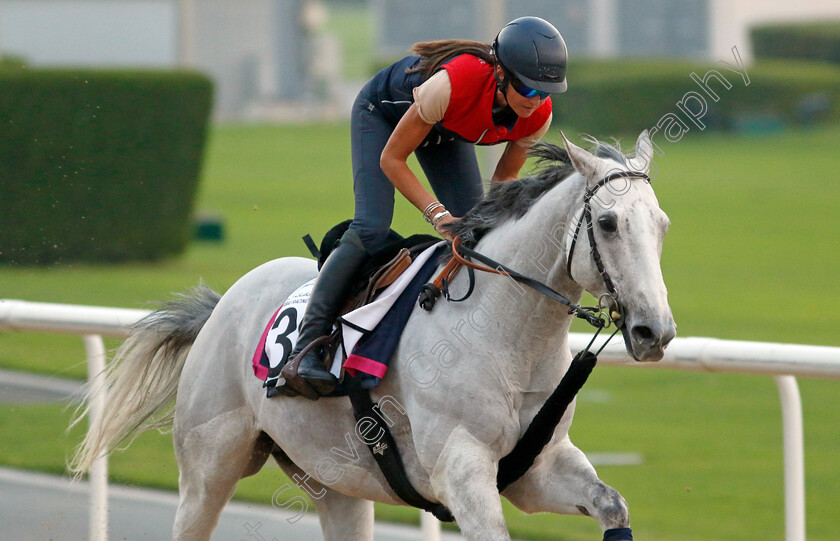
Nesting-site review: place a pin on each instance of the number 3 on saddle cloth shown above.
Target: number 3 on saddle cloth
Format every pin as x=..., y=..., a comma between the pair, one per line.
x=370, y=333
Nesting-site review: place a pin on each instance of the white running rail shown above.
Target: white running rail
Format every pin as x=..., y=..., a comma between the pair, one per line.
x=91, y=323
x=782, y=361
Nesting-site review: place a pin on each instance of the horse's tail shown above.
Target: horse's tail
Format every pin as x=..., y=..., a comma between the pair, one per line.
x=142, y=380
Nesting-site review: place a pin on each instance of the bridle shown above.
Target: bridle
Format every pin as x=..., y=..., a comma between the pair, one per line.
x=586, y=216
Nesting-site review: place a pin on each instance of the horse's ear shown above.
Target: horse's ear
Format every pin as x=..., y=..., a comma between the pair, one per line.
x=640, y=162
x=584, y=163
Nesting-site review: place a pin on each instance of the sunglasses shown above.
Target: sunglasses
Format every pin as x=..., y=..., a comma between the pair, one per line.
x=526, y=91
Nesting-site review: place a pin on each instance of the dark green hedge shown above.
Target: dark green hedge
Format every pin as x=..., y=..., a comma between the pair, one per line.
x=620, y=97
x=99, y=165
x=808, y=41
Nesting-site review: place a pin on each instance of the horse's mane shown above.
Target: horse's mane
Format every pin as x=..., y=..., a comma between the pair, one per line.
x=511, y=200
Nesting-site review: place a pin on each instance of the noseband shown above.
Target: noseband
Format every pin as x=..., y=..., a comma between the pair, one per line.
x=590, y=230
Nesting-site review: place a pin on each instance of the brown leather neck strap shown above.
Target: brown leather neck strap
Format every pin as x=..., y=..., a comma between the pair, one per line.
x=448, y=273
x=460, y=259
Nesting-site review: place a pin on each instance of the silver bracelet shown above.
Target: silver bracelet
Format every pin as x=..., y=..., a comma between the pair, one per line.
x=437, y=217
x=432, y=206
x=427, y=214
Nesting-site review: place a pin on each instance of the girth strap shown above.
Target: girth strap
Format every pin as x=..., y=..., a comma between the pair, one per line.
x=385, y=452
x=511, y=467
x=541, y=430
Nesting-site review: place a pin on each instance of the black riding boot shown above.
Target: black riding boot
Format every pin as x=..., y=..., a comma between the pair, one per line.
x=334, y=284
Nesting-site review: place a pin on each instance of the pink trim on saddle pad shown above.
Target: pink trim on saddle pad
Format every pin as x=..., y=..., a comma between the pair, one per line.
x=363, y=364
x=259, y=370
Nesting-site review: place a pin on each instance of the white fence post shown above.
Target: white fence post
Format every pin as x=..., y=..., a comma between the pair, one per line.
x=429, y=526
x=794, y=452
x=99, y=470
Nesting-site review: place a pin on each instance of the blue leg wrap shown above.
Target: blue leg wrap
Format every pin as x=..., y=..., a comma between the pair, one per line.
x=618, y=534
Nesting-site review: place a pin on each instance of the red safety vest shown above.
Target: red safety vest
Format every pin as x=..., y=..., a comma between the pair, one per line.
x=470, y=111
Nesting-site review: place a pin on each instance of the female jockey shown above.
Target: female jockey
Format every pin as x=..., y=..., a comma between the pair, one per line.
x=437, y=103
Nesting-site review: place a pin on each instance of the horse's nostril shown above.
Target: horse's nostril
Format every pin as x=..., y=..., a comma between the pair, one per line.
x=643, y=333
x=654, y=334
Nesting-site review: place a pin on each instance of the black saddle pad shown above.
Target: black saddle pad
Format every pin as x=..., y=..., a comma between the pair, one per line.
x=394, y=243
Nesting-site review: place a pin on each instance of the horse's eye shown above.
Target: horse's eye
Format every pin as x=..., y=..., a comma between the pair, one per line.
x=608, y=223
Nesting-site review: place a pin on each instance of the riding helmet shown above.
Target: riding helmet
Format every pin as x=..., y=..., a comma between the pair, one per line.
x=534, y=51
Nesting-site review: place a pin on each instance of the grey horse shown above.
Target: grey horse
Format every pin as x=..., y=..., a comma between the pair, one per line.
x=465, y=382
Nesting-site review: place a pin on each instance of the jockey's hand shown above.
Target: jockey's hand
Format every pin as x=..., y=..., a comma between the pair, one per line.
x=439, y=226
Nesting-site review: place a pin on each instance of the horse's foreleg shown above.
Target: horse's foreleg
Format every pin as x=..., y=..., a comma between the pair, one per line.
x=464, y=479
x=563, y=481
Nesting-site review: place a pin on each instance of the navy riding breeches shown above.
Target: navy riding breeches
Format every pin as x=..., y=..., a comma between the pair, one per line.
x=450, y=166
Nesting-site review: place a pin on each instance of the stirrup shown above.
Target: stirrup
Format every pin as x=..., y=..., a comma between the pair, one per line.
x=294, y=380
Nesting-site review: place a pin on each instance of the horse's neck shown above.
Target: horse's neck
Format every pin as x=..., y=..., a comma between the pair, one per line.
x=535, y=245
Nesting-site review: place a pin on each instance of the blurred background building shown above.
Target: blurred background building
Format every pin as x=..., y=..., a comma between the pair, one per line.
x=274, y=59
x=598, y=28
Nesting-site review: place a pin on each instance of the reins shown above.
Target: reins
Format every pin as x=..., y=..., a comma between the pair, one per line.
x=495, y=267
x=595, y=316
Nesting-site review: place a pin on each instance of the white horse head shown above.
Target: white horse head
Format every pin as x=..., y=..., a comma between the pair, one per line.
x=628, y=228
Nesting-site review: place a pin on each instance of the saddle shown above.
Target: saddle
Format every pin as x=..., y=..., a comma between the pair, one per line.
x=383, y=269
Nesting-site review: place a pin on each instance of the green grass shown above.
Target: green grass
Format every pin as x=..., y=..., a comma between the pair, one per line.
x=753, y=249
x=751, y=255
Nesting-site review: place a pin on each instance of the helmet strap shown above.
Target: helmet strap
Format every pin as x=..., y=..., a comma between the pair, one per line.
x=502, y=84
